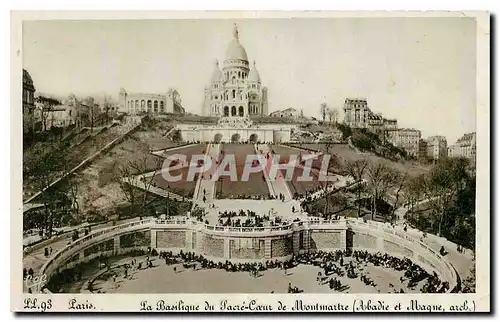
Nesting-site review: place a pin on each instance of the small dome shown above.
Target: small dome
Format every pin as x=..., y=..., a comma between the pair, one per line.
x=235, y=50
x=217, y=74
x=28, y=81
x=27, y=77
x=254, y=76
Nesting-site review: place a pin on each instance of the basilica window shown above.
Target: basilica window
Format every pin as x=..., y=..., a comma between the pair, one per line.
x=149, y=106
x=234, y=94
x=162, y=107
x=156, y=106
x=216, y=97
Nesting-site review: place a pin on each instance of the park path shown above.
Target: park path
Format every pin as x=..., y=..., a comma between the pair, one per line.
x=463, y=262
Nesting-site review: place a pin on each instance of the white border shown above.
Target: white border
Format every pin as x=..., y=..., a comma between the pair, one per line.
x=482, y=116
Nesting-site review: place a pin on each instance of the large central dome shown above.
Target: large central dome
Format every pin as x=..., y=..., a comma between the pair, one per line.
x=235, y=50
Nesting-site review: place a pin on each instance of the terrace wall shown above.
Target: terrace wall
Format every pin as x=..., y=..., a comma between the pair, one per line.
x=325, y=239
x=246, y=248
x=213, y=246
x=251, y=244
x=281, y=246
x=171, y=239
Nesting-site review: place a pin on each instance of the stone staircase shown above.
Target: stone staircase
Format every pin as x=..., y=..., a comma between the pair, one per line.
x=205, y=185
x=279, y=185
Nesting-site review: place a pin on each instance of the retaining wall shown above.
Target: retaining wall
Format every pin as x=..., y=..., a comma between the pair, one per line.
x=240, y=244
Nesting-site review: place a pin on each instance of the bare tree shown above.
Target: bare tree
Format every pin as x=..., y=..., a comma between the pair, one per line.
x=135, y=179
x=107, y=107
x=356, y=169
x=333, y=115
x=41, y=167
x=444, y=183
x=379, y=178
x=401, y=181
x=73, y=187
x=46, y=106
x=323, y=110
x=415, y=190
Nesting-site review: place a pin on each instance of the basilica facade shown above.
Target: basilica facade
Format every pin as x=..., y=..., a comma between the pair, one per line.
x=236, y=90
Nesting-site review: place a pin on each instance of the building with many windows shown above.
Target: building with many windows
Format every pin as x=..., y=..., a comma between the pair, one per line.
x=357, y=114
x=236, y=90
x=464, y=147
x=407, y=139
x=437, y=148
x=422, y=150
x=137, y=103
x=28, y=102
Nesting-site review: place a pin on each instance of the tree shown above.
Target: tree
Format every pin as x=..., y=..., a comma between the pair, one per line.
x=89, y=112
x=107, y=108
x=323, y=110
x=356, y=169
x=333, y=115
x=379, y=179
x=414, y=190
x=445, y=181
x=135, y=181
x=401, y=181
x=177, y=136
x=73, y=186
x=42, y=165
x=46, y=106
x=469, y=284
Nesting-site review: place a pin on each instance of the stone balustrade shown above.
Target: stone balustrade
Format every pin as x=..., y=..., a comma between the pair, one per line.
x=255, y=243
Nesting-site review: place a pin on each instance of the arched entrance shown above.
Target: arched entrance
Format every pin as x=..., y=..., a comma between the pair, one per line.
x=217, y=138
x=253, y=138
x=233, y=111
x=235, y=137
x=226, y=111
x=240, y=111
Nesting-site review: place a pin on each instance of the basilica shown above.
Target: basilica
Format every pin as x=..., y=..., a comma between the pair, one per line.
x=235, y=90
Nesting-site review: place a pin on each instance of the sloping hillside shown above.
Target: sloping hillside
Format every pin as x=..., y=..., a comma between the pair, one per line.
x=346, y=153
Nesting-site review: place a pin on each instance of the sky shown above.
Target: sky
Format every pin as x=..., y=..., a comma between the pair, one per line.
x=421, y=71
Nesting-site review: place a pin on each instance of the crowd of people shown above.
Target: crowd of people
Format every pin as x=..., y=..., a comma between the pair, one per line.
x=234, y=219
x=334, y=266
x=333, y=263
x=191, y=260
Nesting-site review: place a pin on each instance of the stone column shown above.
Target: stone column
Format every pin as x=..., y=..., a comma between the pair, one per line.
x=200, y=237
x=343, y=239
x=153, y=239
x=380, y=244
x=189, y=239
x=267, y=248
x=296, y=242
x=116, y=244
x=227, y=253
x=307, y=240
